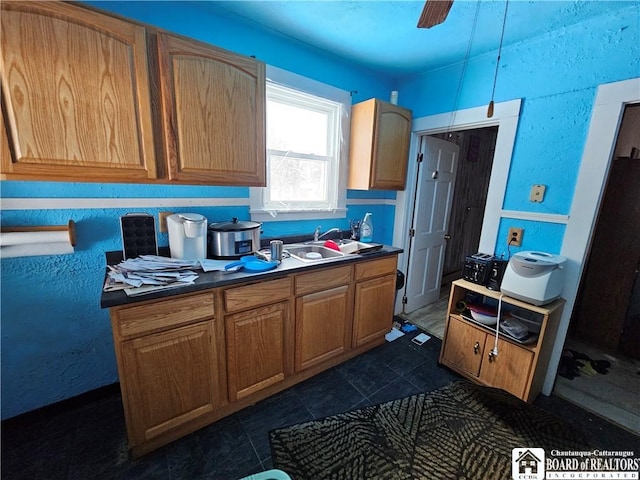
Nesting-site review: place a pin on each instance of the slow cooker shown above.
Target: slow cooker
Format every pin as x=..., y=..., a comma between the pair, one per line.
x=232, y=240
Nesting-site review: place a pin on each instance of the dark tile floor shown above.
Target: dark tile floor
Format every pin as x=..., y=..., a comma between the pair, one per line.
x=88, y=440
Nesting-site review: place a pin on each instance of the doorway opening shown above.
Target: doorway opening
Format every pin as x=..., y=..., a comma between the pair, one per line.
x=461, y=229
x=477, y=148
x=604, y=330
x=505, y=118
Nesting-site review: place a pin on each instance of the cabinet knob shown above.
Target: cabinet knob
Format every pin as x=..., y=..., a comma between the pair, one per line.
x=491, y=356
x=476, y=347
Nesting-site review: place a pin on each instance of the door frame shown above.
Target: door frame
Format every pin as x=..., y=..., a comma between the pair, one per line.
x=606, y=118
x=505, y=117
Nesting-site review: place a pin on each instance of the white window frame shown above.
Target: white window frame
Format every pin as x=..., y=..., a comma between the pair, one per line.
x=258, y=211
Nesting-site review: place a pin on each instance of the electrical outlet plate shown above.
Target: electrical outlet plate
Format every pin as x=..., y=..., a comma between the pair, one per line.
x=515, y=236
x=162, y=217
x=537, y=193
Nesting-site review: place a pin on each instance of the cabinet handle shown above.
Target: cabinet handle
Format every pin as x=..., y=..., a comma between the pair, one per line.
x=491, y=355
x=476, y=347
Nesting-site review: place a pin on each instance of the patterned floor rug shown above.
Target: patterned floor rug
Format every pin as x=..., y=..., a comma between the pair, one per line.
x=462, y=431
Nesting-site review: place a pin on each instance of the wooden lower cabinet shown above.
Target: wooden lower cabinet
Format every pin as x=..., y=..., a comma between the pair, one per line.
x=464, y=347
x=169, y=379
x=256, y=349
x=189, y=360
x=322, y=326
x=468, y=348
x=518, y=368
x=509, y=370
x=373, y=308
x=324, y=309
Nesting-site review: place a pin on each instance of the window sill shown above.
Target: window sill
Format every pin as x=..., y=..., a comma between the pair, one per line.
x=275, y=216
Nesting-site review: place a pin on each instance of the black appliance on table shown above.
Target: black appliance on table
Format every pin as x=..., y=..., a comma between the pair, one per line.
x=484, y=269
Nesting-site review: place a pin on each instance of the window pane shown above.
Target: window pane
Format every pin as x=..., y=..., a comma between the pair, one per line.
x=297, y=129
x=295, y=180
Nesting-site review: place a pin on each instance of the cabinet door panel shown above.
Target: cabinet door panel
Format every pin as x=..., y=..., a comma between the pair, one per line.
x=322, y=326
x=509, y=369
x=213, y=113
x=373, y=309
x=379, y=145
x=76, y=93
x=392, y=148
x=170, y=379
x=256, y=349
x=464, y=346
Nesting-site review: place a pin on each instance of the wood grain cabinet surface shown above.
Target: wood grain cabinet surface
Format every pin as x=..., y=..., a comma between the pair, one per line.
x=171, y=367
x=170, y=380
x=379, y=146
x=189, y=360
x=76, y=95
x=213, y=113
x=517, y=368
x=78, y=87
x=257, y=348
x=374, y=299
x=324, y=308
x=468, y=348
x=259, y=335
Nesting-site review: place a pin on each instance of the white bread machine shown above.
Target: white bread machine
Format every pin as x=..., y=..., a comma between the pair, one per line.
x=534, y=277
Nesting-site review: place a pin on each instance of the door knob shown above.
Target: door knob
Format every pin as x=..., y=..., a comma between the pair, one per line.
x=447, y=237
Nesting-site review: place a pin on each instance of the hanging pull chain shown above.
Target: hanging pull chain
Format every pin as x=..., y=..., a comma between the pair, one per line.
x=495, y=76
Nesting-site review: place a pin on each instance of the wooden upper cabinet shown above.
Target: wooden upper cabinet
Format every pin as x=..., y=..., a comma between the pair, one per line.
x=5, y=153
x=379, y=147
x=213, y=113
x=75, y=91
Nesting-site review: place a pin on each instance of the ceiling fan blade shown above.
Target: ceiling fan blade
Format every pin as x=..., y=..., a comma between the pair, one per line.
x=434, y=13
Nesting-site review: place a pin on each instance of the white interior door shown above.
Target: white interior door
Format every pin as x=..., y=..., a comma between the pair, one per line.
x=432, y=208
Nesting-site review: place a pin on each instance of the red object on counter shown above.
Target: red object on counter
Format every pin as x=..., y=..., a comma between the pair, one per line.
x=332, y=245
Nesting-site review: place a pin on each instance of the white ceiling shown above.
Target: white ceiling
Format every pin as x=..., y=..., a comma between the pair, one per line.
x=382, y=34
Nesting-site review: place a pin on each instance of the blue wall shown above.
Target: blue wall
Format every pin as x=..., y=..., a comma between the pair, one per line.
x=556, y=76
x=56, y=340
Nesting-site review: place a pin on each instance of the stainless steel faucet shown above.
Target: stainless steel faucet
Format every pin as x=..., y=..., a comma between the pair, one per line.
x=317, y=236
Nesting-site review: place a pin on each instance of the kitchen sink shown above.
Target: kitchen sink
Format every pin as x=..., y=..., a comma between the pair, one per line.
x=316, y=251
x=312, y=253
x=348, y=246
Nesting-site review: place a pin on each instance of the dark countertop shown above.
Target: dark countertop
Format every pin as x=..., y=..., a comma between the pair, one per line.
x=209, y=280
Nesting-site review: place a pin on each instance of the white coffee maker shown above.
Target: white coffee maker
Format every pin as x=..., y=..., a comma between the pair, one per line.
x=187, y=236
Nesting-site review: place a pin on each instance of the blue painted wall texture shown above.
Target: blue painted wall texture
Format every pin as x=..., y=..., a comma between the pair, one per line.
x=56, y=340
x=556, y=76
